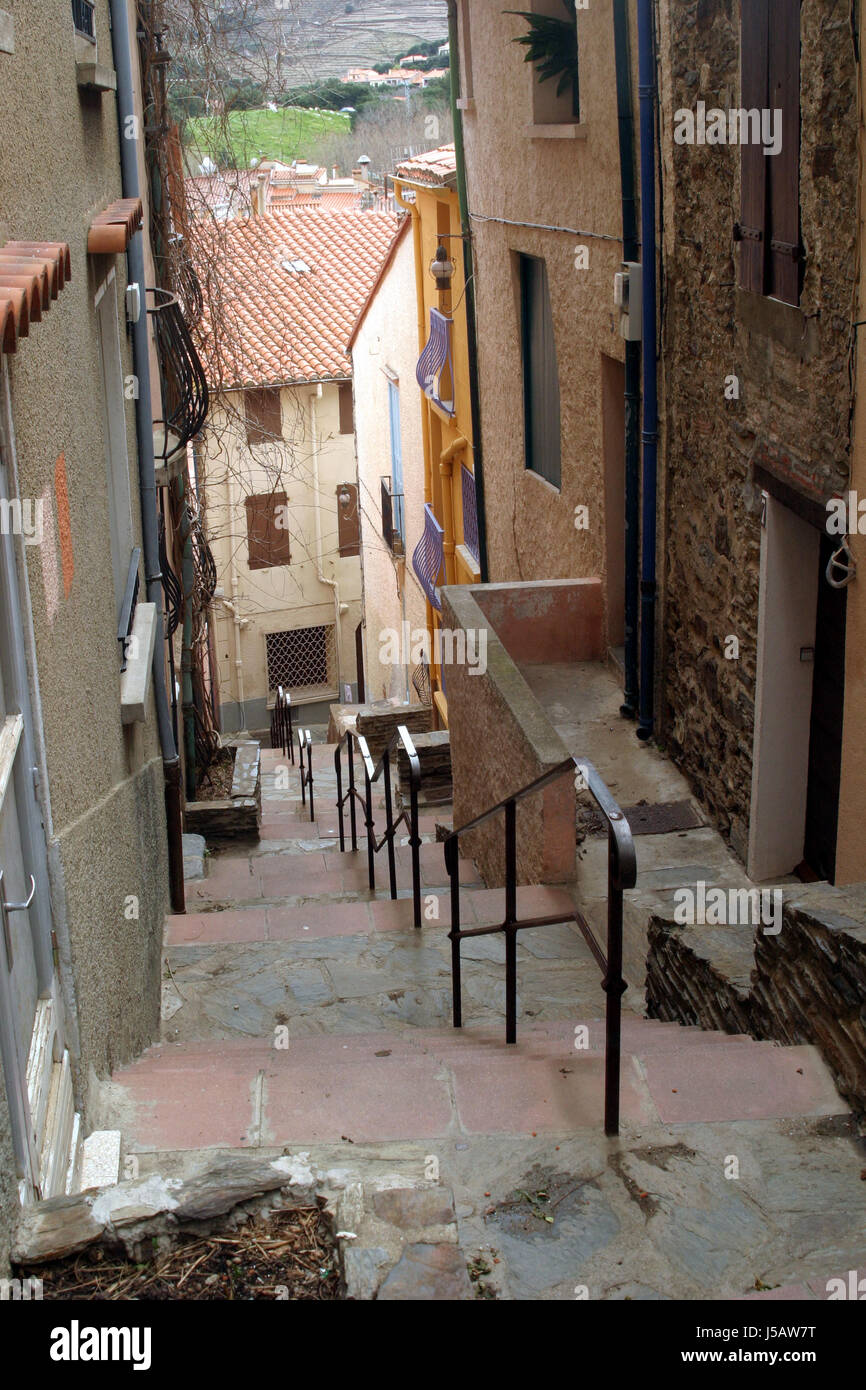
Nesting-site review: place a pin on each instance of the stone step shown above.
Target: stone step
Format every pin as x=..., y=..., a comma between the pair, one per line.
x=428, y=1083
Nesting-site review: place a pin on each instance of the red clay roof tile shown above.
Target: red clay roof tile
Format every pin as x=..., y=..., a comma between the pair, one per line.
x=289, y=288
x=32, y=273
x=112, y=230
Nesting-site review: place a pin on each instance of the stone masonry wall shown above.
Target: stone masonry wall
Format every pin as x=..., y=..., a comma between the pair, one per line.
x=792, y=365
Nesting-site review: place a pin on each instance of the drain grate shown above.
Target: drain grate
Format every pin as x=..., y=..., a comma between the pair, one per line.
x=646, y=818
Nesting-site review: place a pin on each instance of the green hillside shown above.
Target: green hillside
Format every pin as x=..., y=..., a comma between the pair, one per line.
x=243, y=135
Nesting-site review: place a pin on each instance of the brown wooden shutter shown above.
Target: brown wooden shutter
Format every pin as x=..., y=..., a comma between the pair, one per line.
x=754, y=59
x=348, y=521
x=347, y=409
x=263, y=415
x=784, y=167
x=267, y=543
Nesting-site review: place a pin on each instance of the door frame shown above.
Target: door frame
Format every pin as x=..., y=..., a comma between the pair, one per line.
x=16, y=645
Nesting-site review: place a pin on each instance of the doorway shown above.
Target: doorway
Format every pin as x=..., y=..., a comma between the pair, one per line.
x=30, y=1039
x=613, y=444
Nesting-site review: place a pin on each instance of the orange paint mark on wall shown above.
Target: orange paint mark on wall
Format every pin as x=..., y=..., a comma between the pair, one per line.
x=64, y=525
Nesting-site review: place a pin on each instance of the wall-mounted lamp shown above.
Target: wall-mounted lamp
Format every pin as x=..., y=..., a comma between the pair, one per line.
x=442, y=269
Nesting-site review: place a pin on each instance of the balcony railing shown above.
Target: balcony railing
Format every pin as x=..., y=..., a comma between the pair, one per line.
x=429, y=557
x=470, y=512
x=183, y=387
x=435, y=370
x=392, y=518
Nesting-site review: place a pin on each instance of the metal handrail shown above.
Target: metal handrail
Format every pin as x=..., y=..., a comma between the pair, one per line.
x=305, y=742
x=401, y=738
x=621, y=875
x=282, y=733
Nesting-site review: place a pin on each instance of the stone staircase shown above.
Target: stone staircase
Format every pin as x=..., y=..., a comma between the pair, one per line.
x=302, y=1013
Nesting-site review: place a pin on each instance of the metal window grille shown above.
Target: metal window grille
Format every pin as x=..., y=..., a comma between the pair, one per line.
x=303, y=659
x=82, y=18
x=470, y=513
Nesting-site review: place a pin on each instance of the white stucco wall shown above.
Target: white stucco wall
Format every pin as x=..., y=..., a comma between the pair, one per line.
x=289, y=596
x=388, y=339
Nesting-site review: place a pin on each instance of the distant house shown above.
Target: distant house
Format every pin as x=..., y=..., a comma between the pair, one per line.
x=278, y=461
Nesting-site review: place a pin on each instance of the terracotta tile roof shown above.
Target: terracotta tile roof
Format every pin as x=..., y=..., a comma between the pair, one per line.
x=111, y=231
x=285, y=291
x=32, y=273
x=436, y=167
x=280, y=198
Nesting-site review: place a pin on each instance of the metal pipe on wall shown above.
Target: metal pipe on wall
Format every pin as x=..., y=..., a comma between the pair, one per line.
x=121, y=41
x=647, y=90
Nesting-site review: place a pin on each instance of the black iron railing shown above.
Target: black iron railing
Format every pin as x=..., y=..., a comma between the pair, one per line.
x=282, y=735
x=183, y=386
x=621, y=874
x=127, y=607
x=305, y=745
x=392, y=824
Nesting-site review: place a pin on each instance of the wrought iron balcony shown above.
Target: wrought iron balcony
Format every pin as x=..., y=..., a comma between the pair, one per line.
x=435, y=370
x=470, y=513
x=429, y=557
x=183, y=387
x=392, y=519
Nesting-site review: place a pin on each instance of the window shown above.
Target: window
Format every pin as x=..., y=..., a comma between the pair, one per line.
x=347, y=519
x=82, y=19
x=302, y=659
x=397, y=510
x=769, y=226
x=347, y=408
x=540, y=373
x=267, y=531
x=550, y=44
x=264, y=415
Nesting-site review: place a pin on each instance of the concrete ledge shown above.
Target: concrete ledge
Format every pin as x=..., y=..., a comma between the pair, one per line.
x=96, y=77
x=135, y=681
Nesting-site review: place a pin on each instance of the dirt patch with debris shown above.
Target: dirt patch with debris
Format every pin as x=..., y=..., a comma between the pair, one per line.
x=216, y=784
x=290, y=1254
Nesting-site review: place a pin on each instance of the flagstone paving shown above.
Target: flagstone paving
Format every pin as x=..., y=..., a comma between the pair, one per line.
x=304, y=1014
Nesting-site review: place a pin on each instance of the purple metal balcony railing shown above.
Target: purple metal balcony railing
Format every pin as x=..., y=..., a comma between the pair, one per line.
x=429, y=557
x=434, y=361
x=470, y=513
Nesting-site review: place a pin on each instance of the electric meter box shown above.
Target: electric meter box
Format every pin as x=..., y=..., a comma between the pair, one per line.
x=628, y=300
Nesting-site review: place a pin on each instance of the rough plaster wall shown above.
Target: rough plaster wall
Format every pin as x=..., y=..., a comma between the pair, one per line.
x=104, y=844
x=794, y=401
x=567, y=183
x=283, y=596
x=388, y=337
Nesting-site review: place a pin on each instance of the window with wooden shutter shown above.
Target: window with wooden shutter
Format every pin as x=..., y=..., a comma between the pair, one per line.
x=267, y=531
x=264, y=417
x=347, y=409
x=347, y=519
x=769, y=226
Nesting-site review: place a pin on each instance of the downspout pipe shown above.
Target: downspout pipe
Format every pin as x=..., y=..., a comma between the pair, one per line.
x=647, y=90
x=121, y=42
x=469, y=289
x=630, y=252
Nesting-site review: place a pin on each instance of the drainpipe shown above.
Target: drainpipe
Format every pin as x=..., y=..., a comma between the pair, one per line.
x=331, y=583
x=630, y=252
x=412, y=208
x=188, y=704
x=469, y=290
x=647, y=88
x=234, y=608
x=121, y=41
